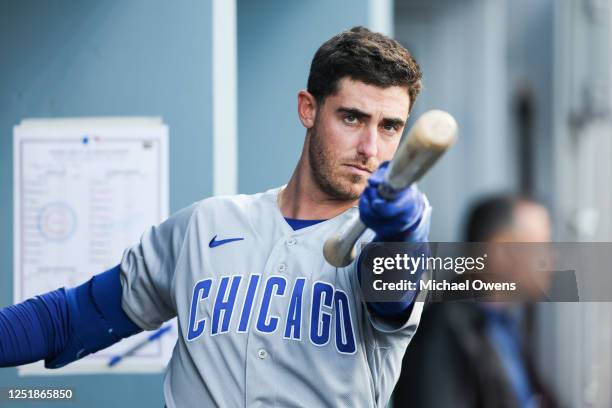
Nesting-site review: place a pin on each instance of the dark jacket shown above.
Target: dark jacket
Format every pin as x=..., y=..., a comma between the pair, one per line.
x=450, y=362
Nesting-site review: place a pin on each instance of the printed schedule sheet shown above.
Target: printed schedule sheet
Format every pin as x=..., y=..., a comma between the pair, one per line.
x=85, y=190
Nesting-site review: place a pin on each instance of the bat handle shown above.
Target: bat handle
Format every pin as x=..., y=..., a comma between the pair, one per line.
x=339, y=250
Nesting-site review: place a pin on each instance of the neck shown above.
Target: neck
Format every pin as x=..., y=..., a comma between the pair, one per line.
x=303, y=198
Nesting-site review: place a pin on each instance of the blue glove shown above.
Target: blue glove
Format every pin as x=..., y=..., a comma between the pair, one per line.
x=391, y=220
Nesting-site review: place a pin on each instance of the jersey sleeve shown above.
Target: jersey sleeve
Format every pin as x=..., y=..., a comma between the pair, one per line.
x=148, y=269
x=386, y=340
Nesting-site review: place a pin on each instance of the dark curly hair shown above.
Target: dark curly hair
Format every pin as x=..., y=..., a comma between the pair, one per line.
x=365, y=56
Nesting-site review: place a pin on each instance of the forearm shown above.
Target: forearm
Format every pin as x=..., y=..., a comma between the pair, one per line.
x=35, y=329
x=65, y=325
x=405, y=217
x=418, y=234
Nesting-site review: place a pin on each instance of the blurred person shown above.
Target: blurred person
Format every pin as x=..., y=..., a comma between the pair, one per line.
x=472, y=354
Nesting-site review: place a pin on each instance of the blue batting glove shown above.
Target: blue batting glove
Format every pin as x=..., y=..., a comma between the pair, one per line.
x=391, y=220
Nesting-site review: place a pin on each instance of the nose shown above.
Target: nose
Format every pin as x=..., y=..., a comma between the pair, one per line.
x=368, y=140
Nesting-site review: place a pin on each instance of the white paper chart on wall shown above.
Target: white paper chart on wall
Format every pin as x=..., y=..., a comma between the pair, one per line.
x=85, y=189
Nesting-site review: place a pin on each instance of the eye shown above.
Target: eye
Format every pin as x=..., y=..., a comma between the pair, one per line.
x=350, y=119
x=390, y=128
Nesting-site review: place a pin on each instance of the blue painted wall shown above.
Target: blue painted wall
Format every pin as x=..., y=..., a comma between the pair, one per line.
x=76, y=58
x=276, y=42
x=153, y=58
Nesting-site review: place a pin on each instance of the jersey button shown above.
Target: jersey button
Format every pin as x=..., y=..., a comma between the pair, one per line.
x=291, y=241
x=262, y=353
x=282, y=267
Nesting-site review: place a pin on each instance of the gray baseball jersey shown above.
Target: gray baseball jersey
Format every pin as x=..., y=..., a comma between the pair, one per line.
x=263, y=319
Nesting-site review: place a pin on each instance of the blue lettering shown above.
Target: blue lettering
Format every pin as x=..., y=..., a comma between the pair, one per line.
x=345, y=338
x=319, y=319
x=201, y=291
x=294, y=313
x=264, y=324
x=224, y=306
x=248, y=304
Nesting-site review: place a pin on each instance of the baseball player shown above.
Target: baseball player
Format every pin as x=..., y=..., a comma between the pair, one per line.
x=263, y=319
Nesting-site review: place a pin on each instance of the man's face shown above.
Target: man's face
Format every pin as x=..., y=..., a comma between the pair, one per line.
x=531, y=227
x=532, y=224
x=354, y=131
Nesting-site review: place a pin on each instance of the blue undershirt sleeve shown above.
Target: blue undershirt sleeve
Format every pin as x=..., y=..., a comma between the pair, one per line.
x=65, y=325
x=34, y=329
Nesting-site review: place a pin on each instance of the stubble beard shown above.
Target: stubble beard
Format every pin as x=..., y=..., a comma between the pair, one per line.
x=323, y=168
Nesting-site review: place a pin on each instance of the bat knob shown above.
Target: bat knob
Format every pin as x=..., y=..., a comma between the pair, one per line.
x=336, y=253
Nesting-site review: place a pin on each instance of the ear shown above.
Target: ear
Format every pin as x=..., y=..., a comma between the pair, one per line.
x=307, y=108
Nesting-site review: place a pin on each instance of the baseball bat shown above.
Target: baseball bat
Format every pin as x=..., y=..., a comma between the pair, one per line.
x=430, y=136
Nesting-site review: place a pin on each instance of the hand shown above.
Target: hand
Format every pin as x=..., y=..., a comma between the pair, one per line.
x=395, y=218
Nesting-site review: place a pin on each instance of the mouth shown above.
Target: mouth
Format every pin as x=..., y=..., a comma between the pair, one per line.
x=359, y=169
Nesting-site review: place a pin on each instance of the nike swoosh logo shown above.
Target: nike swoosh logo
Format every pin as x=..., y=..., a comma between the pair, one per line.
x=214, y=243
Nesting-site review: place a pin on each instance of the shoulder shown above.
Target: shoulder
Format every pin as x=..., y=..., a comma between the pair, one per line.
x=213, y=206
x=222, y=212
